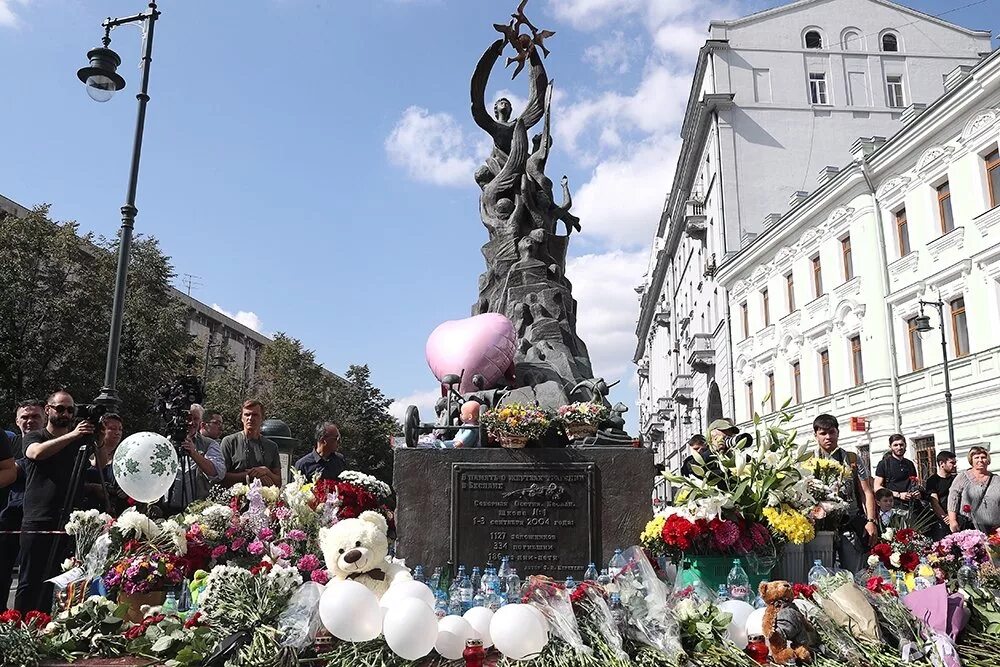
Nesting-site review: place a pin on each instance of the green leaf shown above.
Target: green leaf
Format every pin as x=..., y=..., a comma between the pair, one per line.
x=162, y=644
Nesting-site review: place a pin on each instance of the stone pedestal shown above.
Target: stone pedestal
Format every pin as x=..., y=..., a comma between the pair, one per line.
x=552, y=511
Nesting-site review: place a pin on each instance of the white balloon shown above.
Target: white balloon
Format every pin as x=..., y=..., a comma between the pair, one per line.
x=350, y=612
x=145, y=466
x=407, y=588
x=479, y=618
x=517, y=632
x=410, y=628
x=541, y=617
x=755, y=623
x=741, y=611
x=453, y=631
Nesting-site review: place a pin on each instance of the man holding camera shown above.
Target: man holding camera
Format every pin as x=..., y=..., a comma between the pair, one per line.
x=201, y=465
x=248, y=454
x=50, y=454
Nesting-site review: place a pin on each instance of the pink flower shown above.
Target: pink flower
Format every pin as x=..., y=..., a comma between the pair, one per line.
x=308, y=563
x=321, y=577
x=219, y=551
x=297, y=535
x=237, y=544
x=282, y=513
x=265, y=534
x=285, y=549
x=255, y=548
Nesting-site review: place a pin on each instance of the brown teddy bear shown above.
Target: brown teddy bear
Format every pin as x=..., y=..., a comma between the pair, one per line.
x=788, y=632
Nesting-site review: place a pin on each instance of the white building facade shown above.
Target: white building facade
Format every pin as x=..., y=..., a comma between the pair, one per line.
x=776, y=98
x=826, y=300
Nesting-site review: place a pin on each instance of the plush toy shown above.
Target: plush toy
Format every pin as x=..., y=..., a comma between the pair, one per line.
x=788, y=632
x=357, y=548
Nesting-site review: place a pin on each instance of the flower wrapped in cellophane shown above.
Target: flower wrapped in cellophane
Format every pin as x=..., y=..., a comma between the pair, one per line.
x=644, y=597
x=553, y=601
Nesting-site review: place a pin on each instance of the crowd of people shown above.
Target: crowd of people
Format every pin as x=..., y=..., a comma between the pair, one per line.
x=947, y=501
x=38, y=487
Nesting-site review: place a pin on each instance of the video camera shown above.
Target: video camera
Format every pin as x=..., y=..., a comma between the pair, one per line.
x=91, y=413
x=173, y=405
x=738, y=441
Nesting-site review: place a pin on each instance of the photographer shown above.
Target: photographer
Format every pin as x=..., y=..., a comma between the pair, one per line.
x=50, y=456
x=109, y=436
x=201, y=464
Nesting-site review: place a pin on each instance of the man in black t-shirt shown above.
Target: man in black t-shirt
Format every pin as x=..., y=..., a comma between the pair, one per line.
x=898, y=473
x=937, y=488
x=29, y=416
x=50, y=454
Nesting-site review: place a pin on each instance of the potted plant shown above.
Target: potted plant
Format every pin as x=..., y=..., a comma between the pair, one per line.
x=514, y=425
x=582, y=419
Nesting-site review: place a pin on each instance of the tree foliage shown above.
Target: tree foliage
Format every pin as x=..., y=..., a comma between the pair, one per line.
x=56, y=290
x=296, y=390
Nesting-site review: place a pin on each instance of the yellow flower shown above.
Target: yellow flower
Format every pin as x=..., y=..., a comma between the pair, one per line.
x=653, y=531
x=791, y=523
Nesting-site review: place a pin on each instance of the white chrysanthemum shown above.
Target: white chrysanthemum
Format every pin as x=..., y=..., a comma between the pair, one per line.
x=240, y=489
x=270, y=494
x=872, y=561
x=367, y=482
x=177, y=535
x=136, y=523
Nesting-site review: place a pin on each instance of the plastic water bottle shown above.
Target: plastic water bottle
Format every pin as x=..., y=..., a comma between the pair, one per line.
x=479, y=599
x=570, y=584
x=435, y=582
x=169, y=605
x=441, y=608
x=504, y=570
x=723, y=594
x=477, y=578
x=616, y=564
x=591, y=573
x=967, y=575
x=455, y=605
x=513, y=586
x=618, y=612
x=418, y=574
x=738, y=583
x=817, y=571
x=604, y=578
x=444, y=583
x=924, y=577
x=466, y=592
x=453, y=589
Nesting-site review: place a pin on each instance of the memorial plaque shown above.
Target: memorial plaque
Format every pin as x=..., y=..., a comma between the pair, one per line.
x=544, y=517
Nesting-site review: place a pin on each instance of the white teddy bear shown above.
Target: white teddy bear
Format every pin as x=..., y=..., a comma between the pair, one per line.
x=356, y=549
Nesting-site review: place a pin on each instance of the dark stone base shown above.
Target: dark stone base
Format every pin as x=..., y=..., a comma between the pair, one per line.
x=609, y=489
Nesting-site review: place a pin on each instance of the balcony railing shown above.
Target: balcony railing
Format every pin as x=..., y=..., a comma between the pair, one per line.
x=701, y=357
x=683, y=389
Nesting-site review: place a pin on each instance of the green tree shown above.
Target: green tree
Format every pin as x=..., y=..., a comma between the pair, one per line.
x=56, y=290
x=362, y=411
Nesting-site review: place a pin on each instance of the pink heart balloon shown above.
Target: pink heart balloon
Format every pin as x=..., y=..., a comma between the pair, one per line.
x=483, y=344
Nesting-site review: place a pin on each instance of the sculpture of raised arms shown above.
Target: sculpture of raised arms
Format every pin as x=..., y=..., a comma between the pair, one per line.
x=500, y=126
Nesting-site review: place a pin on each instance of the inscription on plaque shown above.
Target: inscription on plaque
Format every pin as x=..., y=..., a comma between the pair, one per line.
x=542, y=516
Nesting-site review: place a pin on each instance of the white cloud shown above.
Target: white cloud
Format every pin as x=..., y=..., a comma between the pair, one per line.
x=432, y=148
x=680, y=40
x=247, y=318
x=424, y=400
x=604, y=287
x=8, y=18
x=593, y=14
x=613, y=55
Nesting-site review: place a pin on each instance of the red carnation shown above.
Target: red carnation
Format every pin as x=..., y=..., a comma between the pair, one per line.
x=38, y=619
x=10, y=616
x=804, y=591
x=909, y=561
x=883, y=551
x=966, y=509
x=904, y=535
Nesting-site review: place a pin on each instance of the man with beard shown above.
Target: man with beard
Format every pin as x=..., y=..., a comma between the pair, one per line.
x=30, y=416
x=49, y=457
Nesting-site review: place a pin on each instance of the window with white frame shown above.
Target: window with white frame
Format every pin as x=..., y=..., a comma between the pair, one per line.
x=817, y=88
x=894, y=91
x=890, y=42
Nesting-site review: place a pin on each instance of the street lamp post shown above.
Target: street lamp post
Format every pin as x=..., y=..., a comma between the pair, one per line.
x=923, y=325
x=103, y=81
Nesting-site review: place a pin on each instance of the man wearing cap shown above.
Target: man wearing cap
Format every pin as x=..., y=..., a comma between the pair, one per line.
x=718, y=431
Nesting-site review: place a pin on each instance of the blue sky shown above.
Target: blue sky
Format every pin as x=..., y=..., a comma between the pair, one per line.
x=311, y=161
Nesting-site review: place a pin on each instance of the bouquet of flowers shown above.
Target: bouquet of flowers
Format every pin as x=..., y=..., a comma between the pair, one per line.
x=598, y=626
x=950, y=552
x=20, y=637
x=702, y=624
x=553, y=600
x=145, y=573
x=824, y=487
x=584, y=412
x=675, y=531
x=644, y=598
x=86, y=527
x=516, y=420
x=899, y=549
